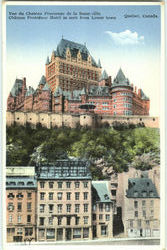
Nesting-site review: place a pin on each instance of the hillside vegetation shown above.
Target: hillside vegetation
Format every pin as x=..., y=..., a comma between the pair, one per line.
x=104, y=147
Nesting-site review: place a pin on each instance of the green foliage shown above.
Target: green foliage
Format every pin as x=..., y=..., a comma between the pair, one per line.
x=116, y=148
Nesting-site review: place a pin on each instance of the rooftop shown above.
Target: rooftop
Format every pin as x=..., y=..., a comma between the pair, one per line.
x=100, y=192
x=65, y=169
x=141, y=188
x=20, y=182
x=17, y=87
x=120, y=79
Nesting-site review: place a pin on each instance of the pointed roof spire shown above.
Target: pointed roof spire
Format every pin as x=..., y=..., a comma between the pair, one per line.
x=120, y=79
x=47, y=60
x=46, y=87
x=43, y=80
x=99, y=64
x=104, y=75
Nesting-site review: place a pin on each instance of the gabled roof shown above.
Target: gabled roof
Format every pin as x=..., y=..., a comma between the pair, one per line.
x=99, y=91
x=74, y=49
x=100, y=191
x=141, y=188
x=17, y=87
x=120, y=79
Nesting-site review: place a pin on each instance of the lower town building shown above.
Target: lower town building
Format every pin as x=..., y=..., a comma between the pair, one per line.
x=141, y=209
x=64, y=201
x=21, y=208
x=102, y=209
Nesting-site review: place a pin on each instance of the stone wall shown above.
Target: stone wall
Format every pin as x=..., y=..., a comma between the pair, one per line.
x=49, y=119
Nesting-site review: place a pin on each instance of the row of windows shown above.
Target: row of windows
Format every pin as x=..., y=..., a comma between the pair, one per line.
x=59, y=184
x=60, y=196
x=144, y=214
x=19, y=206
x=28, y=231
x=102, y=207
x=128, y=112
x=19, y=195
x=107, y=217
x=60, y=220
x=19, y=218
x=151, y=203
x=140, y=223
x=60, y=208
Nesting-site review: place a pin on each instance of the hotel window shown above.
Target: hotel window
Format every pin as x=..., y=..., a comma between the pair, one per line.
x=86, y=219
x=50, y=184
x=42, y=184
x=42, y=208
x=135, y=204
x=144, y=213
x=147, y=222
x=100, y=217
x=107, y=207
x=68, y=208
x=51, y=206
x=136, y=213
x=50, y=221
x=28, y=218
x=77, y=220
x=101, y=207
x=152, y=212
x=107, y=217
x=59, y=220
x=19, y=196
x=10, y=218
x=85, y=195
x=139, y=223
x=94, y=207
x=10, y=195
x=77, y=184
x=115, y=106
x=94, y=216
x=19, y=206
x=77, y=207
x=10, y=206
x=42, y=196
x=28, y=206
x=103, y=230
x=19, y=218
x=85, y=184
x=143, y=203
x=19, y=230
x=60, y=184
x=50, y=233
x=85, y=207
x=28, y=231
x=68, y=196
x=85, y=232
x=68, y=184
x=59, y=196
x=50, y=196
x=77, y=196
x=59, y=208
x=41, y=221
x=151, y=203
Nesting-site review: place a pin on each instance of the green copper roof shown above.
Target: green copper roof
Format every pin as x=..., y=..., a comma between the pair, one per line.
x=74, y=49
x=65, y=169
x=46, y=87
x=47, y=60
x=104, y=76
x=30, y=91
x=99, y=91
x=99, y=63
x=20, y=182
x=141, y=188
x=43, y=80
x=58, y=91
x=120, y=79
x=17, y=87
x=143, y=96
x=100, y=191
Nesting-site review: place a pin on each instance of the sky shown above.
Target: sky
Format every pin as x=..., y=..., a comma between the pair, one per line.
x=131, y=41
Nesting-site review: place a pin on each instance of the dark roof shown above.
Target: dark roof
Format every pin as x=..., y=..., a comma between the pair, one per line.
x=99, y=91
x=120, y=79
x=141, y=188
x=47, y=60
x=74, y=95
x=65, y=169
x=143, y=96
x=100, y=191
x=74, y=49
x=20, y=182
x=17, y=87
x=43, y=80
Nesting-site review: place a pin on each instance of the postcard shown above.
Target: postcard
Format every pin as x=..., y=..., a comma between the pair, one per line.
x=83, y=97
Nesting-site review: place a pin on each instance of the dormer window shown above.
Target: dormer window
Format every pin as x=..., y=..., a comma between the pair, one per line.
x=106, y=197
x=144, y=193
x=135, y=193
x=20, y=183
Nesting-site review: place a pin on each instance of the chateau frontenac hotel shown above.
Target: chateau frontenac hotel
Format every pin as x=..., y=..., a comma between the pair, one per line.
x=74, y=79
